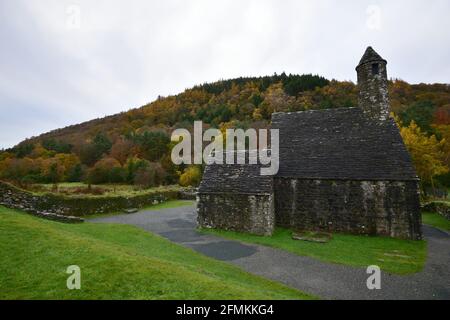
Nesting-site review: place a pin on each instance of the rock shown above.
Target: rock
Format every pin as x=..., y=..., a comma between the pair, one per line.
x=132, y=210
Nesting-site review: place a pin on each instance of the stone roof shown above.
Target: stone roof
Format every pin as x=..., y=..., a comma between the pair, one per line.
x=235, y=178
x=369, y=56
x=341, y=144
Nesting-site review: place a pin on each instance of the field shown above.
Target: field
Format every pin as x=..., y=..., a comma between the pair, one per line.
x=117, y=262
x=391, y=255
x=103, y=190
x=436, y=220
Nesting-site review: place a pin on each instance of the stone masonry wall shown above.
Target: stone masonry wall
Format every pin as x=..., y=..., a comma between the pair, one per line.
x=439, y=207
x=13, y=197
x=237, y=212
x=373, y=91
x=389, y=208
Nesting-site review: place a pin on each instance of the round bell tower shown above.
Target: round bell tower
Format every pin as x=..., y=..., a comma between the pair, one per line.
x=373, y=85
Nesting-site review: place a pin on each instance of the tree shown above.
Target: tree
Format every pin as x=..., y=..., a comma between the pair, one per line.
x=444, y=132
x=40, y=152
x=52, y=171
x=426, y=152
x=102, y=143
x=91, y=152
x=117, y=175
x=170, y=169
x=23, y=149
x=152, y=144
x=295, y=84
x=57, y=146
x=442, y=115
x=422, y=113
x=149, y=174
x=75, y=174
x=121, y=150
x=18, y=168
x=106, y=170
x=191, y=176
x=132, y=166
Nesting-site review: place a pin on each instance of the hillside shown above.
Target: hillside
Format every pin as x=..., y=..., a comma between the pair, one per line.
x=134, y=146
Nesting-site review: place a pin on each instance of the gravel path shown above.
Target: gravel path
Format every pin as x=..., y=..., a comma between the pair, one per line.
x=326, y=280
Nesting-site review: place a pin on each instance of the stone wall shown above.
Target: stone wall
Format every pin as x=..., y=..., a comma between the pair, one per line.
x=237, y=212
x=13, y=197
x=439, y=207
x=389, y=208
x=188, y=194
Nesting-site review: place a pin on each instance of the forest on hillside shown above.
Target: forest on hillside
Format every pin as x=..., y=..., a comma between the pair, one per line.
x=134, y=147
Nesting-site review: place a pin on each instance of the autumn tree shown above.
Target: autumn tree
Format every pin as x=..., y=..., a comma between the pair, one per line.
x=131, y=166
x=426, y=151
x=91, y=152
x=444, y=133
x=150, y=175
x=52, y=171
x=107, y=170
x=121, y=150
x=191, y=176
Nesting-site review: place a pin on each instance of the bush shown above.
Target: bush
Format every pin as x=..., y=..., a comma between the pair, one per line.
x=191, y=176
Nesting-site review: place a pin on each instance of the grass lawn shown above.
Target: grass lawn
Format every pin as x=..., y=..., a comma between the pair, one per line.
x=391, y=255
x=170, y=204
x=117, y=262
x=436, y=220
x=165, y=205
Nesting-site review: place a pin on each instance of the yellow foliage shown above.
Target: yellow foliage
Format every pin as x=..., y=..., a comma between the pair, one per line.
x=444, y=131
x=426, y=151
x=191, y=176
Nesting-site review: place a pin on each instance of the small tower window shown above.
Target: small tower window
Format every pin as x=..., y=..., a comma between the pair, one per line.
x=375, y=68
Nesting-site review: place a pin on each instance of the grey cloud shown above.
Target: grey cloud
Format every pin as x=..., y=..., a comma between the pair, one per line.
x=126, y=53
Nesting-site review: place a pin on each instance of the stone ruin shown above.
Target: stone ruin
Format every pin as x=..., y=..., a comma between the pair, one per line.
x=341, y=170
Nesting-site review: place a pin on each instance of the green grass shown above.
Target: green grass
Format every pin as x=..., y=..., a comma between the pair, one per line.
x=436, y=220
x=165, y=205
x=117, y=262
x=171, y=204
x=391, y=255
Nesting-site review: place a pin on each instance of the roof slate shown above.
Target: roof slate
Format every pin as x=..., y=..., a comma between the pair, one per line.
x=226, y=178
x=341, y=144
x=369, y=56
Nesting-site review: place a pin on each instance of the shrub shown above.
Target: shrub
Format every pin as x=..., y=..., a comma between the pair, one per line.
x=191, y=176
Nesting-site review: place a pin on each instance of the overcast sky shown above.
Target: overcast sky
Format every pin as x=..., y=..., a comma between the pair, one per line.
x=64, y=62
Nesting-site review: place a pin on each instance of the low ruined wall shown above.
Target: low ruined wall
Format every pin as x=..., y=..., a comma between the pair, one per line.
x=13, y=197
x=441, y=208
x=390, y=208
x=237, y=212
